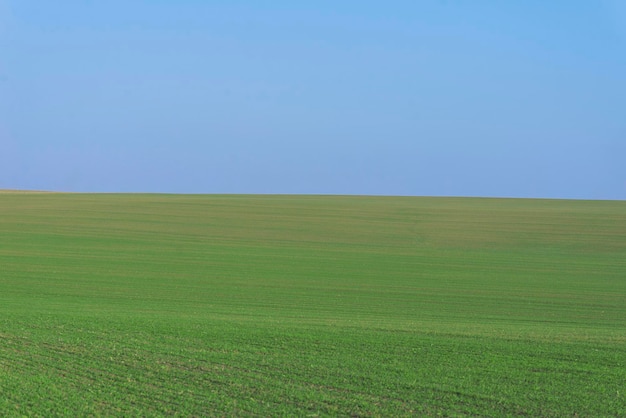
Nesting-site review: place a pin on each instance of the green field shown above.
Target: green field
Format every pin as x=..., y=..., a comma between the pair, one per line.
x=204, y=305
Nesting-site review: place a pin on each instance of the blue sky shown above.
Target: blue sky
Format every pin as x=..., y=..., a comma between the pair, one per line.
x=463, y=98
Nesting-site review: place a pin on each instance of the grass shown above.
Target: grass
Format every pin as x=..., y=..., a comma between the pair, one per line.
x=311, y=305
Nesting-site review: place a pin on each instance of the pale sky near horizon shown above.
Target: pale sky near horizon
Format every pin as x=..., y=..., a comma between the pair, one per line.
x=444, y=98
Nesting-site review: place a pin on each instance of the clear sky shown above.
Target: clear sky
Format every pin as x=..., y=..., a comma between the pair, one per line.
x=450, y=97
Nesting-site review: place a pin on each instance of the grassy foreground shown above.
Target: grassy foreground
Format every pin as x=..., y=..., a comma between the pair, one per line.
x=311, y=306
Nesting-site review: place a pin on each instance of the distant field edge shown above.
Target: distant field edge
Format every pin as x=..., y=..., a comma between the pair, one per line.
x=28, y=191
x=20, y=191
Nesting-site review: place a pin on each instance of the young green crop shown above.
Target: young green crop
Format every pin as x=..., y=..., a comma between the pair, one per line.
x=311, y=305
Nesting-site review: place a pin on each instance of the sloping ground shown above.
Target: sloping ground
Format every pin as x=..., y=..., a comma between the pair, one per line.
x=311, y=305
